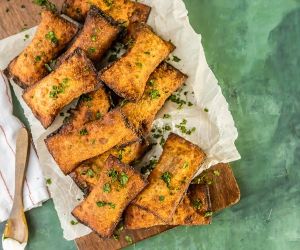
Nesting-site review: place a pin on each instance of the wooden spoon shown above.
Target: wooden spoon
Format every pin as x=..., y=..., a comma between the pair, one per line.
x=16, y=226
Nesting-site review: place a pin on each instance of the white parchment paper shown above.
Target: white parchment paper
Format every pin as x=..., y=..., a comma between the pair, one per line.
x=215, y=130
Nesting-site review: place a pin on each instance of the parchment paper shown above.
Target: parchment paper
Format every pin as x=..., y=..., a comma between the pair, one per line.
x=215, y=130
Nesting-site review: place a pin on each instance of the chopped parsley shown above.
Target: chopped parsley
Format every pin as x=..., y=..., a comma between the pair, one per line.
x=91, y=50
x=123, y=179
x=166, y=177
x=147, y=52
x=47, y=66
x=38, y=58
x=83, y=131
x=94, y=37
x=197, y=204
x=183, y=129
x=151, y=82
x=154, y=94
x=185, y=164
x=176, y=59
x=208, y=214
x=46, y=4
x=26, y=37
x=206, y=110
x=128, y=239
x=58, y=89
x=216, y=173
x=48, y=181
x=113, y=174
x=139, y=64
x=90, y=173
x=106, y=188
x=109, y=3
x=73, y=222
x=166, y=116
x=150, y=166
x=161, y=198
x=51, y=37
x=120, y=153
x=158, y=132
x=86, y=98
x=105, y=203
x=98, y=115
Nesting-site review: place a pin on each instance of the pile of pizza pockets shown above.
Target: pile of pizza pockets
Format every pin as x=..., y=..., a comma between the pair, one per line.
x=116, y=66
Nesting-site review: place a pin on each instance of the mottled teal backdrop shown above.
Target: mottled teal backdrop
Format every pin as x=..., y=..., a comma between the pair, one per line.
x=253, y=47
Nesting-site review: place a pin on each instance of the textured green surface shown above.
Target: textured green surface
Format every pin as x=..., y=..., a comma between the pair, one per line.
x=253, y=47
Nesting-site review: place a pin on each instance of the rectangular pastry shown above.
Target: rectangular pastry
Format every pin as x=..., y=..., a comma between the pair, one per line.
x=50, y=95
x=123, y=11
x=118, y=185
x=128, y=75
x=96, y=36
x=51, y=37
x=88, y=141
x=161, y=84
x=170, y=178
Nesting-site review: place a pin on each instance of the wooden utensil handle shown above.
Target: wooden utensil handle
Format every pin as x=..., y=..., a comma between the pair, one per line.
x=22, y=149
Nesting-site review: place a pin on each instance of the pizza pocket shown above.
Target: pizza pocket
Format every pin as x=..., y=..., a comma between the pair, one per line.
x=50, y=95
x=123, y=11
x=170, y=178
x=118, y=185
x=90, y=140
x=161, y=84
x=51, y=37
x=128, y=75
x=86, y=175
x=192, y=210
x=96, y=37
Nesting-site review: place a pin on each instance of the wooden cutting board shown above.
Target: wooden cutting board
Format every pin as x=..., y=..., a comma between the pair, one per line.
x=223, y=192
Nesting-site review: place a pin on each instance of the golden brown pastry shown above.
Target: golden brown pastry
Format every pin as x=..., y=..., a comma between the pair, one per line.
x=96, y=37
x=161, y=84
x=118, y=185
x=75, y=76
x=170, y=178
x=191, y=211
x=123, y=11
x=52, y=36
x=128, y=76
x=88, y=141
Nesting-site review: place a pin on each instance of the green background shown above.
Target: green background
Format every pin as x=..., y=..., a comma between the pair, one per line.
x=253, y=47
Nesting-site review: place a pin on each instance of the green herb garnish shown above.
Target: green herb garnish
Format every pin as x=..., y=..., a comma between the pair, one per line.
x=166, y=177
x=123, y=179
x=51, y=37
x=113, y=174
x=46, y=4
x=176, y=59
x=197, y=204
x=166, y=116
x=90, y=173
x=105, y=203
x=86, y=98
x=208, y=214
x=37, y=58
x=185, y=164
x=91, y=50
x=98, y=115
x=139, y=64
x=94, y=37
x=161, y=198
x=47, y=66
x=128, y=239
x=106, y=188
x=48, y=181
x=154, y=94
x=83, y=131
x=183, y=129
x=73, y=222
x=206, y=110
